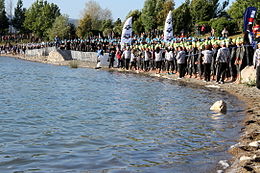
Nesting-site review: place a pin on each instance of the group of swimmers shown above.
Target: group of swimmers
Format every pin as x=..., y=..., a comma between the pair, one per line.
x=219, y=60
x=211, y=59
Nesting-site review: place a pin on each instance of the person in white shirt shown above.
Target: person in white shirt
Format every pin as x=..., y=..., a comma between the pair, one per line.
x=222, y=59
x=169, y=59
x=127, y=56
x=207, y=60
x=147, y=57
x=133, y=60
x=158, y=60
x=181, y=61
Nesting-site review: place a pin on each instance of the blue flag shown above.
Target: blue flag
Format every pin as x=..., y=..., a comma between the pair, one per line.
x=249, y=16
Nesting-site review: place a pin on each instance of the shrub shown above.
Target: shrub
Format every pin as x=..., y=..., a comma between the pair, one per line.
x=220, y=23
x=251, y=83
x=206, y=24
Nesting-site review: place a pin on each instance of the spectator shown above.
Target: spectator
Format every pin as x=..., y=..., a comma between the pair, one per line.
x=257, y=65
x=256, y=31
x=224, y=33
x=203, y=29
x=212, y=32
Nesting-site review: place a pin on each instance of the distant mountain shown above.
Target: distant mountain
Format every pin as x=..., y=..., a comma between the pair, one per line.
x=74, y=22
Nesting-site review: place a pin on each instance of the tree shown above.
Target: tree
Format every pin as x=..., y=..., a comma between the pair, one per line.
x=117, y=27
x=72, y=31
x=155, y=12
x=59, y=28
x=85, y=26
x=4, y=24
x=182, y=18
x=201, y=10
x=220, y=23
x=204, y=10
x=163, y=12
x=40, y=16
x=107, y=27
x=97, y=14
x=19, y=17
x=162, y=9
x=238, y=8
x=149, y=14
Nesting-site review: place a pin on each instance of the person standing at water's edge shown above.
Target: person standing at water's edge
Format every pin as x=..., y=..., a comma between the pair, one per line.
x=127, y=56
x=158, y=59
x=111, y=58
x=207, y=60
x=100, y=54
x=181, y=58
x=119, y=58
x=257, y=65
x=222, y=61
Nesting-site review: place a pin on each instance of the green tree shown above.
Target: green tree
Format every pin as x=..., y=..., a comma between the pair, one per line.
x=59, y=28
x=204, y=10
x=149, y=15
x=238, y=8
x=85, y=26
x=40, y=17
x=201, y=10
x=107, y=27
x=19, y=17
x=162, y=9
x=4, y=23
x=72, y=31
x=117, y=27
x=182, y=18
x=220, y=23
x=155, y=12
x=97, y=14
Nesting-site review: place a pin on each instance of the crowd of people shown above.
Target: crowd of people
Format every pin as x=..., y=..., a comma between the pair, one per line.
x=211, y=59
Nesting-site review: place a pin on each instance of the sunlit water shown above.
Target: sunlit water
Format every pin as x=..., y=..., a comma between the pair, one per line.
x=57, y=119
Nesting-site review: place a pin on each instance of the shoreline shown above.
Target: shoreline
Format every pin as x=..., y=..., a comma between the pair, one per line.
x=246, y=153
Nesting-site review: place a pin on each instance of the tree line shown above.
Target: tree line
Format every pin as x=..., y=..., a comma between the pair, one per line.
x=44, y=19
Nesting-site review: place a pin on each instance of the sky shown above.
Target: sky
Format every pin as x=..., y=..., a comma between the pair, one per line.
x=119, y=8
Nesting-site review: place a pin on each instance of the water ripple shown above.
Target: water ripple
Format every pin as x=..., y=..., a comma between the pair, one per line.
x=57, y=119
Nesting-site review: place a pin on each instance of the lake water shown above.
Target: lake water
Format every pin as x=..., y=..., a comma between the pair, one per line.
x=58, y=119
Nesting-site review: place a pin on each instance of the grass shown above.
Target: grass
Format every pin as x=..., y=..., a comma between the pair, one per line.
x=251, y=83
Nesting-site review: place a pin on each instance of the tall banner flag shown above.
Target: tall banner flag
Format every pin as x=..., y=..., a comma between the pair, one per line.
x=168, y=28
x=249, y=16
x=127, y=32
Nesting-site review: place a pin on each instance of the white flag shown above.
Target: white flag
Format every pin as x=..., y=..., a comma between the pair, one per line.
x=127, y=32
x=168, y=28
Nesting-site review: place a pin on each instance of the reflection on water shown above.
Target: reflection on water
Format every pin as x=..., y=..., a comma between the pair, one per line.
x=57, y=119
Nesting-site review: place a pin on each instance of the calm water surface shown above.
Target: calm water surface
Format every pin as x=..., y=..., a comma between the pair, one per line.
x=57, y=119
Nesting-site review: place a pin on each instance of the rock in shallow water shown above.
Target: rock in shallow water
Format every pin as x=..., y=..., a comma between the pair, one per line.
x=224, y=164
x=219, y=106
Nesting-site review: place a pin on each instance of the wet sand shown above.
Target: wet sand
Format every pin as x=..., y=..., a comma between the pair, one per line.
x=246, y=153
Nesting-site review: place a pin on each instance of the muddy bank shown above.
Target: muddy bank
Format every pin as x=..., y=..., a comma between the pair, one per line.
x=246, y=152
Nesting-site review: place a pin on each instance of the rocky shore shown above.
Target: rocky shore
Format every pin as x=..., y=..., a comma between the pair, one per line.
x=247, y=151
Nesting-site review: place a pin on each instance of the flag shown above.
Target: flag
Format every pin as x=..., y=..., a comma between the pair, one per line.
x=249, y=16
x=127, y=32
x=168, y=28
